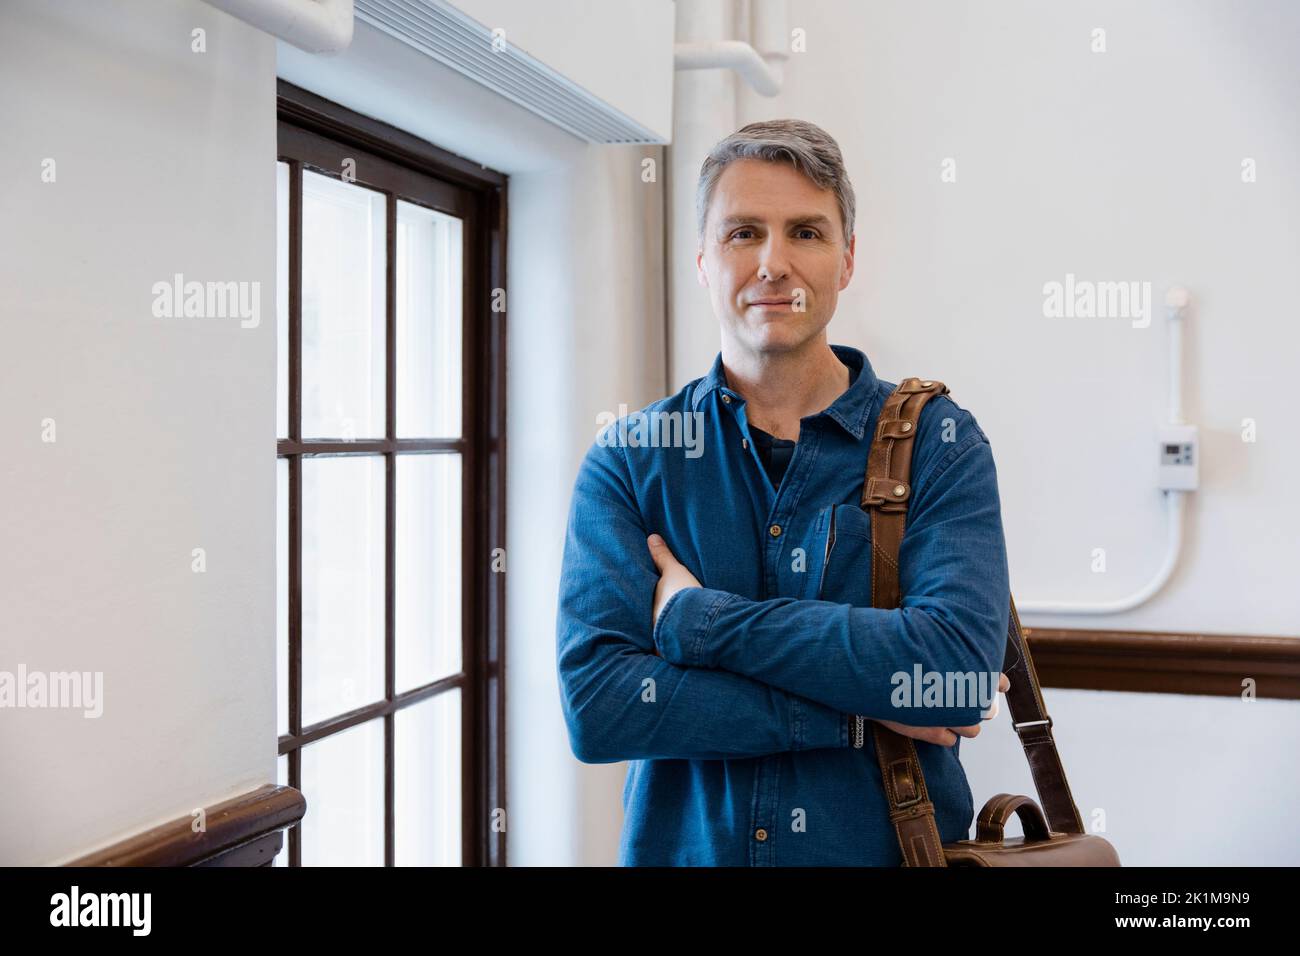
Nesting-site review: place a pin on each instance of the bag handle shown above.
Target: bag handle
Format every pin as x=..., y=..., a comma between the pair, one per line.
x=993, y=818
x=886, y=491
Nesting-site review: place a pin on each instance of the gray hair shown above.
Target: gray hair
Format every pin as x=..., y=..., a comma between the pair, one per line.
x=803, y=145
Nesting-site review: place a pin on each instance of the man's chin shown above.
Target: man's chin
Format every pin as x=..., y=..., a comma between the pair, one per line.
x=778, y=336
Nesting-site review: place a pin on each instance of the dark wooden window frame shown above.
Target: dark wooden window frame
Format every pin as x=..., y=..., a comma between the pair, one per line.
x=317, y=134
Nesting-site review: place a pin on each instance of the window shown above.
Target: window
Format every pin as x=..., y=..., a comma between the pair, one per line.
x=391, y=493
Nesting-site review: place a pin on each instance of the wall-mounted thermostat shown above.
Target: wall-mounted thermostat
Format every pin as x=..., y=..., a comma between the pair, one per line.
x=1180, y=454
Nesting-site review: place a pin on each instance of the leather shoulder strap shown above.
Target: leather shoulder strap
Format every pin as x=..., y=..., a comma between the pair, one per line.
x=1032, y=723
x=886, y=492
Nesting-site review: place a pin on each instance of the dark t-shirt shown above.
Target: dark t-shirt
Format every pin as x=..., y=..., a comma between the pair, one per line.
x=775, y=453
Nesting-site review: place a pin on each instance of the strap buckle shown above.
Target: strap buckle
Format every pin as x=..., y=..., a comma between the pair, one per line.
x=885, y=491
x=904, y=781
x=898, y=816
x=1032, y=723
x=896, y=428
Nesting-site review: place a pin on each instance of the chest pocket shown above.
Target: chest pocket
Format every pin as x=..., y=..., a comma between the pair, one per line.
x=845, y=572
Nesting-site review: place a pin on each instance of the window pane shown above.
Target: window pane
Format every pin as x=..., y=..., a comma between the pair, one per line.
x=427, y=602
x=343, y=782
x=282, y=299
x=429, y=278
x=427, y=775
x=282, y=596
x=343, y=250
x=342, y=584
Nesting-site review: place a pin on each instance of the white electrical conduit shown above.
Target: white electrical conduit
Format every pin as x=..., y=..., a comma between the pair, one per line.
x=761, y=68
x=1174, y=543
x=1176, y=302
x=316, y=26
x=733, y=55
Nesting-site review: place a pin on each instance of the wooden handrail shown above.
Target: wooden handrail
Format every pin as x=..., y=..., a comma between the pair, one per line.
x=244, y=831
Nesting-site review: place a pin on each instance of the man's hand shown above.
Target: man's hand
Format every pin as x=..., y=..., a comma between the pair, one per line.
x=673, y=576
x=945, y=736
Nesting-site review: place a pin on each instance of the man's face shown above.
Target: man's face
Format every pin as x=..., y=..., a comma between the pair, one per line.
x=772, y=234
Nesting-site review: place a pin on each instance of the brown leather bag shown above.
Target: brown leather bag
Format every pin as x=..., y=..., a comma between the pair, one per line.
x=1055, y=838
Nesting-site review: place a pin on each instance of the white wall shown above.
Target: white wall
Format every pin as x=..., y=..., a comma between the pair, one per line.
x=164, y=428
x=1123, y=165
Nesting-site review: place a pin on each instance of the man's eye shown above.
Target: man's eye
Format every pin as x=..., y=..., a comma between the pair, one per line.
x=737, y=233
x=813, y=231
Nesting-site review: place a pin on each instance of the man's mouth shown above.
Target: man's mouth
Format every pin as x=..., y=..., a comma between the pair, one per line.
x=771, y=302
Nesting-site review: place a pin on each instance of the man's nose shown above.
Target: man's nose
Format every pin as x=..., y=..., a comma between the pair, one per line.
x=774, y=262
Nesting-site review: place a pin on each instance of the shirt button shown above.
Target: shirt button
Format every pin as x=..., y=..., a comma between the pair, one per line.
x=760, y=835
x=744, y=443
x=775, y=531
x=727, y=399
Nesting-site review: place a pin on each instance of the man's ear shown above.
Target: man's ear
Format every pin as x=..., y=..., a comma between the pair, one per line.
x=847, y=272
x=701, y=275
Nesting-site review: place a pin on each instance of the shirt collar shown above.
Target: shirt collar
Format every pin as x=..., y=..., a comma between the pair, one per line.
x=852, y=409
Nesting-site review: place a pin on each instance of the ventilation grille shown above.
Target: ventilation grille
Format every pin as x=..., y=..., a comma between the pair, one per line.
x=462, y=43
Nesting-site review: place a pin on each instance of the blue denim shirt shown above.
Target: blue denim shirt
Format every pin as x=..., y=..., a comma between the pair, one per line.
x=738, y=730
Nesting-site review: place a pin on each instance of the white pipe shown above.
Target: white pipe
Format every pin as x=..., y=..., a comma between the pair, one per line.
x=316, y=26
x=768, y=29
x=732, y=55
x=1176, y=302
x=704, y=111
x=762, y=68
x=1174, y=507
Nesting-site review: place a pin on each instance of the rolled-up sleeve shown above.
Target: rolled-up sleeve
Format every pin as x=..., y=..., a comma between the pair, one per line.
x=621, y=701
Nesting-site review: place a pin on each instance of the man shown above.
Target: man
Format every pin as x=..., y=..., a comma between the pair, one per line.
x=715, y=624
